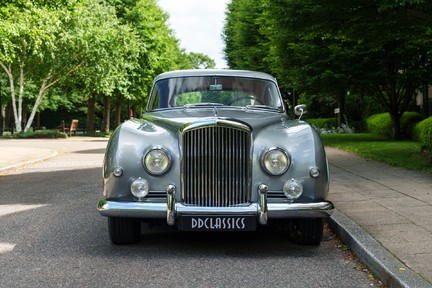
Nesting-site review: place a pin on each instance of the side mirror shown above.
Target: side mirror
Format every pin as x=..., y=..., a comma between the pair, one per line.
x=299, y=110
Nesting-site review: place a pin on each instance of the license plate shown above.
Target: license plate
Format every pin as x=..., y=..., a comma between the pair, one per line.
x=217, y=223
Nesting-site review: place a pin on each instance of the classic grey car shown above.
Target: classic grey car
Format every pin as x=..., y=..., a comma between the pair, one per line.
x=215, y=151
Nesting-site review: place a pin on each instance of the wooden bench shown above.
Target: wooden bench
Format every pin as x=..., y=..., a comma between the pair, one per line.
x=72, y=127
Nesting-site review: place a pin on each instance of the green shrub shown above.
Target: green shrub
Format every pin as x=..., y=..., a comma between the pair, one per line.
x=408, y=122
x=423, y=132
x=97, y=134
x=322, y=123
x=381, y=124
x=37, y=134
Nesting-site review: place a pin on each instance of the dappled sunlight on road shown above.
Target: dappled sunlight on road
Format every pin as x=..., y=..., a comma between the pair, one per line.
x=6, y=247
x=10, y=209
x=15, y=208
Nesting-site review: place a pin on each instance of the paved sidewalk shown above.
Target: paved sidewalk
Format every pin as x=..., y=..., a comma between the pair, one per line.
x=391, y=204
x=15, y=157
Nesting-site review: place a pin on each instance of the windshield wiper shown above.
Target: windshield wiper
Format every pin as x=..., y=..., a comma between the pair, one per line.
x=266, y=107
x=203, y=104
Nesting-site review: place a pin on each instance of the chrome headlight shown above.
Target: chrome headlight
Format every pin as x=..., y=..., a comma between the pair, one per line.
x=156, y=161
x=139, y=188
x=275, y=161
x=293, y=189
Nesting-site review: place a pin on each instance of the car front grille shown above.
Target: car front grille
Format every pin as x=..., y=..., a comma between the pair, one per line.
x=216, y=166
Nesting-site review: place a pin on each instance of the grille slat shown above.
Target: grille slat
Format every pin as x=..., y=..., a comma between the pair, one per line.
x=216, y=166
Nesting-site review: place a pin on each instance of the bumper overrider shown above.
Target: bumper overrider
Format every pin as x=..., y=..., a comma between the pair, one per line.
x=260, y=211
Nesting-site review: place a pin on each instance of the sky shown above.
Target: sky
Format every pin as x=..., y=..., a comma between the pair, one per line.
x=198, y=24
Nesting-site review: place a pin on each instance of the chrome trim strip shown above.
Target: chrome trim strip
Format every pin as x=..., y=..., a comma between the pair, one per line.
x=132, y=209
x=292, y=210
x=249, y=209
x=216, y=121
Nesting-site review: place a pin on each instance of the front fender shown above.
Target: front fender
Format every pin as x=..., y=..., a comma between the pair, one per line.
x=306, y=150
x=126, y=148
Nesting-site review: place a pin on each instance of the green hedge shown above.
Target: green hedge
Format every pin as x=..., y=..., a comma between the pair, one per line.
x=423, y=132
x=381, y=124
x=322, y=123
x=37, y=134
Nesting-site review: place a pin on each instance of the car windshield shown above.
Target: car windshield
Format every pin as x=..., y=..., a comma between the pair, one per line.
x=215, y=91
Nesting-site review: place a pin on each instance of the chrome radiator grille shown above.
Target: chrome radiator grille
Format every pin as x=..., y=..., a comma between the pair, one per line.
x=216, y=166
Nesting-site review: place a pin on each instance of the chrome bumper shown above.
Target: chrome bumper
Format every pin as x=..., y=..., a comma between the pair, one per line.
x=263, y=212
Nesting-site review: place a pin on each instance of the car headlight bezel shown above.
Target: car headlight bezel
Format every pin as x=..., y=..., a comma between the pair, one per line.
x=275, y=161
x=156, y=161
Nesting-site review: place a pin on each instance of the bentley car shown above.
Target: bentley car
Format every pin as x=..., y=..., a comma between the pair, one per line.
x=216, y=151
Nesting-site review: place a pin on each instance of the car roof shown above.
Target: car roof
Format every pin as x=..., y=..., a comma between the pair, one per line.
x=215, y=72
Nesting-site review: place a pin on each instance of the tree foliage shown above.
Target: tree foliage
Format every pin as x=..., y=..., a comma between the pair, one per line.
x=87, y=49
x=382, y=48
x=27, y=32
x=245, y=44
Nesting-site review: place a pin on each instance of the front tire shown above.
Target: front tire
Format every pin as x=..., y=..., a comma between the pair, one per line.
x=123, y=231
x=306, y=231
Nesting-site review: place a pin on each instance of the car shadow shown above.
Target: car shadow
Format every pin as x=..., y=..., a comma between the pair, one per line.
x=266, y=242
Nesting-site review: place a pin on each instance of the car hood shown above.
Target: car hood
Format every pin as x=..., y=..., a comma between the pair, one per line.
x=176, y=119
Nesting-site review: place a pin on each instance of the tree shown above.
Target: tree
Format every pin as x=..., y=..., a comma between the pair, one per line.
x=97, y=49
x=245, y=44
x=27, y=33
x=379, y=47
x=110, y=54
x=159, y=51
x=54, y=42
x=196, y=61
x=301, y=55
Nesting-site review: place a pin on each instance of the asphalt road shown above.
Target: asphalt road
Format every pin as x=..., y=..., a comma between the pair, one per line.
x=52, y=236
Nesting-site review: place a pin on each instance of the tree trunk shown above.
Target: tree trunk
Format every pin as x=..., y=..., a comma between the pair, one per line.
x=117, y=118
x=8, y=116
x=90, y=113
x=341, y=106
x=44, y=87
x=20, y=98
x=396, y=131
x=17, y=116
x=107, y=116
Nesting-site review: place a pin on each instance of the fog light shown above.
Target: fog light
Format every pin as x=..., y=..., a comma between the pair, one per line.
x=139, y=188
x=293, y=189
x=314, y=172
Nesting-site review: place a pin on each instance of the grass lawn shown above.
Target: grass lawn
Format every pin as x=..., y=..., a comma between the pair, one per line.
x=404, y=154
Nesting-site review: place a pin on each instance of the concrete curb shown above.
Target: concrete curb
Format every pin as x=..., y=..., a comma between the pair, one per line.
x=22, y=164
x=386, y=267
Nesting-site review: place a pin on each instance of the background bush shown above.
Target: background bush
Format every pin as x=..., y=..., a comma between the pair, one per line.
x=381, y=124
x=408, y=122
x=37, y=135
x=423, y=132
x=322, y=123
